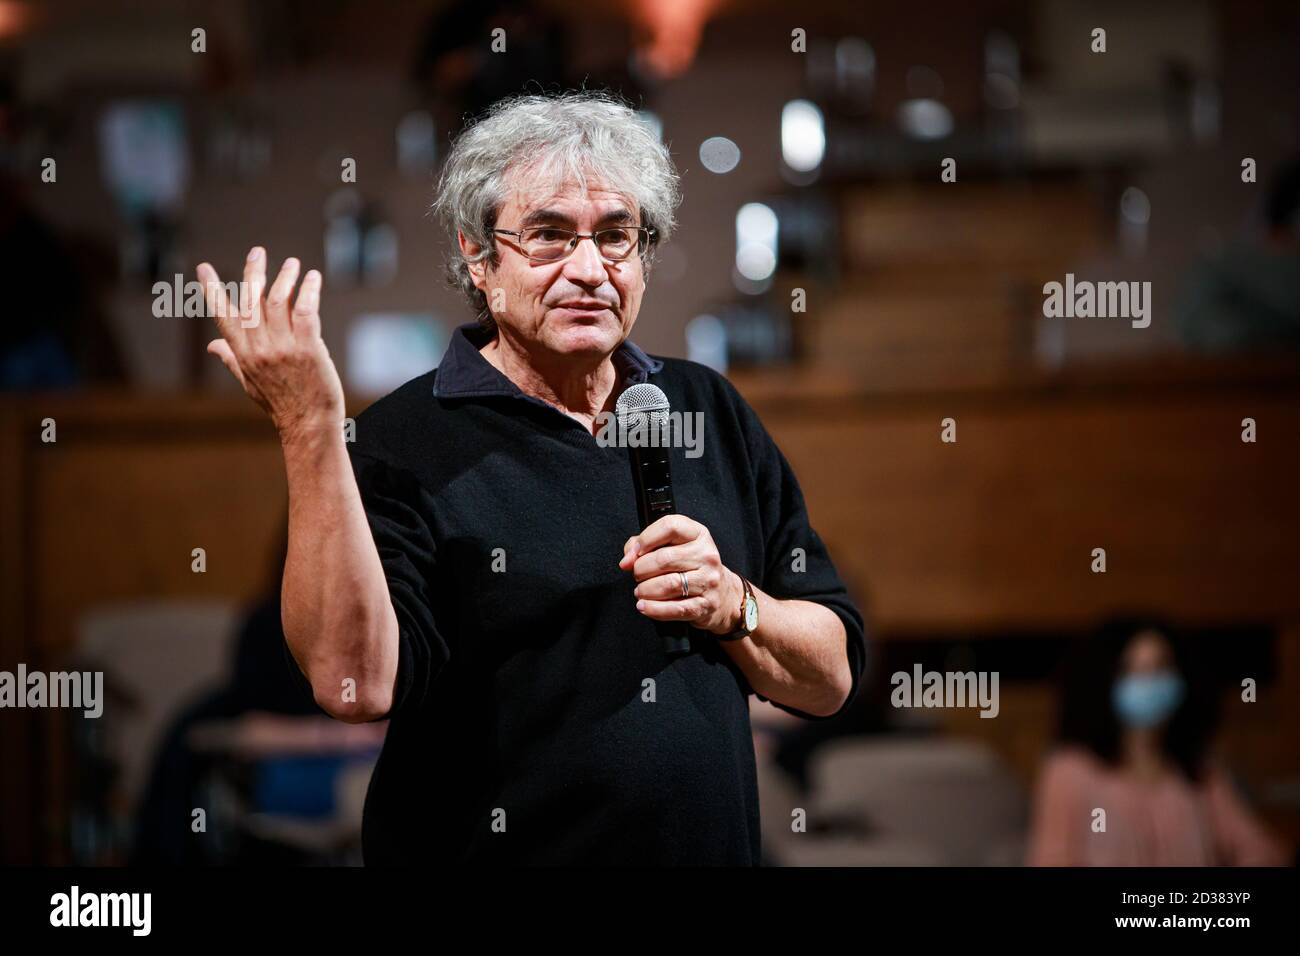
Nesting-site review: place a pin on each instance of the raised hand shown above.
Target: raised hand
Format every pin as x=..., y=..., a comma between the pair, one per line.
x=272, y=345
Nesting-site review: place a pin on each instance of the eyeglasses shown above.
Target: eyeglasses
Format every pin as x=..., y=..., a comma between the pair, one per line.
x=549, y=244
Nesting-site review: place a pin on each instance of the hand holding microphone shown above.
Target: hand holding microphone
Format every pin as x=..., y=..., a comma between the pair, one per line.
x=676, y=550
x=680, y=575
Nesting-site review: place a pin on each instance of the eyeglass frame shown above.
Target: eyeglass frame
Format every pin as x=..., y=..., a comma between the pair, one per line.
x=649, y=232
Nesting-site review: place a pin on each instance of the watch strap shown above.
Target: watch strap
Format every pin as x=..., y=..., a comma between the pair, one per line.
x=746, y=595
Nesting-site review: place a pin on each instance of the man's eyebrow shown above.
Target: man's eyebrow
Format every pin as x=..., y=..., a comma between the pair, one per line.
x=554, y=217
x=619, y=215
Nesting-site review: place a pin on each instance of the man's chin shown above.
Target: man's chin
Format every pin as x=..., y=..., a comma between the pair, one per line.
x=598, y=333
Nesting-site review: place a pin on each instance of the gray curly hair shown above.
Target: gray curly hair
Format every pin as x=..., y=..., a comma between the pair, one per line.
x=552, y=139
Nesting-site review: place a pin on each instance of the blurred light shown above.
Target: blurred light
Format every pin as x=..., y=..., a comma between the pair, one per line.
x=719, y=154
x=1001, y=92
x=1002, y=55
x=144, y=155
x=803, y=135
x=1135, y=206
x=924, y=83
x=651, y=121
x=1207, y=110
x=756, y=222
x=416, y=149
x=342, y=249
x=14, y=18
x=1135, y=214
x=386, y=349
x=925, y=119
x=756, y=232
x=1001, y=71
x=672, y=31
x=855, y=67
x=379, y=255
x=344, y=201
x=755, y=262
x=706, y=342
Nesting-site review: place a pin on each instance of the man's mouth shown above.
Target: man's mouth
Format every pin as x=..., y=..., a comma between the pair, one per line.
x=584, y=306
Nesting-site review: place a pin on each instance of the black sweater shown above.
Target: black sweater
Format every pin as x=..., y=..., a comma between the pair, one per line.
x=537, y=718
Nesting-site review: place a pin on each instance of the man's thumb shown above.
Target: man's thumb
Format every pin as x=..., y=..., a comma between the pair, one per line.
x=221, y=349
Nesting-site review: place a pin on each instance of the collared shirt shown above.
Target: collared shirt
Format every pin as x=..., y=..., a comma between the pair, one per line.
x=536, y=716
x=465, y=373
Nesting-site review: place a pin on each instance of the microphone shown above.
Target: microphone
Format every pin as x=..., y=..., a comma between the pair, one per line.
x=644, y=409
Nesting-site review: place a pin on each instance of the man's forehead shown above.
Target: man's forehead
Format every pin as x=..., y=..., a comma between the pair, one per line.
x=570, y=200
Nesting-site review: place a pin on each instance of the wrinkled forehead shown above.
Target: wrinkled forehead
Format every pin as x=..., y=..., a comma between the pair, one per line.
x=531, y=193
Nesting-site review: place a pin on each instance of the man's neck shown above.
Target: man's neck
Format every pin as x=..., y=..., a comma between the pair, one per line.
x=580, y=390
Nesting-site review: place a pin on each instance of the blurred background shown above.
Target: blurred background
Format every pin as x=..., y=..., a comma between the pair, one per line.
x=855, y=298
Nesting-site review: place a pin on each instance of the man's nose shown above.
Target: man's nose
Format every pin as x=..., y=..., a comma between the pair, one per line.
x=585, y=265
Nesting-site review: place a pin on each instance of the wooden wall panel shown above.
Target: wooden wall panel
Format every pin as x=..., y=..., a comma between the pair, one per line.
x=116, y=517
x=997, y=529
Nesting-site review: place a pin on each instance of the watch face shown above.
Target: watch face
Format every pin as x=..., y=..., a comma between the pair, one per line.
x=751, y=614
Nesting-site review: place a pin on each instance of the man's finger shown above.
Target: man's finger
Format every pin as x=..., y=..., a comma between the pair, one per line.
x=681, y=557
x=221, y=349
x=219, y=305
x=250, y=306
x=276, y=312
x=306, y=308
x=668, y=587
x=688, y=609
x=670, y=529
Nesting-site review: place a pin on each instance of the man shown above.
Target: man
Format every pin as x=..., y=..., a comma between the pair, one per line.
x=472, y=566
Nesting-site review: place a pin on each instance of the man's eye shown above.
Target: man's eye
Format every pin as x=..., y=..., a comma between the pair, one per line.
x=550, y=235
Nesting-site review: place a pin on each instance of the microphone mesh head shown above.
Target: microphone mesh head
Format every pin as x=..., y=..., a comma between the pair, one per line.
x=639, y=400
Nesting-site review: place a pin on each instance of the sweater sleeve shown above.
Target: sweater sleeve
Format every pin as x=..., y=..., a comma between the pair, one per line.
x=796, y=562
x=1241, y=839
x=392, y=498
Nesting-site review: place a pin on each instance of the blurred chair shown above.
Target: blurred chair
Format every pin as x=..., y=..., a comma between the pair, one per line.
x=335, y=838
x=156, y=656
x=910, y=802
x=168, y=670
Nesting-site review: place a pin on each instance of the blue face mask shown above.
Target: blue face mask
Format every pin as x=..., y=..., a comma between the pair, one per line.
x=1145, y=700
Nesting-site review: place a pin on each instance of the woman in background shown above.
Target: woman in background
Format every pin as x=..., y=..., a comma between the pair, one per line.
x=1135, y=726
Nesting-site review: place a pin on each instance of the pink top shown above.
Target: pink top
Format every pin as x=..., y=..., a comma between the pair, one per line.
x=1170, y=822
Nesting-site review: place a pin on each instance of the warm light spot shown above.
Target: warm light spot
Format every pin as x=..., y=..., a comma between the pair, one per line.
x=14, y=18
x=673, y=29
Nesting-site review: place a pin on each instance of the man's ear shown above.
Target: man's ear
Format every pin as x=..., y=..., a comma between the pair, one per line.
x=477, y=270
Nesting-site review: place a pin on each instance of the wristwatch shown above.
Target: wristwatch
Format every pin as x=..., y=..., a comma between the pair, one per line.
x=748, y=614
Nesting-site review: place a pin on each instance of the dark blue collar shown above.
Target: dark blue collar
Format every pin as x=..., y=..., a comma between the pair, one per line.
x=465, y=373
